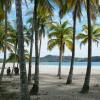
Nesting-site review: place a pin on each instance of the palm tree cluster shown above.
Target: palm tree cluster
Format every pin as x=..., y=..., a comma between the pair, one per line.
x=61, y=34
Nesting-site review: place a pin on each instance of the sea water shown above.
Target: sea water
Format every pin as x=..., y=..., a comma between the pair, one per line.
x=52, y=67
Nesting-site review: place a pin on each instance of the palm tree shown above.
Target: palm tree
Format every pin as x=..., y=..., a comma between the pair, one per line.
x=8, y=41
x=60, y=35
x=76, y=6
x=23, y=77
x=76, y=13
x=92, y=7
x=85, y=88
x=35, y=87
x=95, y=32
x=13, y=56
x=45, y=4
x=4, y=43
x=31, y=20
x=7, y=7
x=43, y=18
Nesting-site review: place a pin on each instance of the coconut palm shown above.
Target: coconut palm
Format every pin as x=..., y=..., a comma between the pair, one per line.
x=7, y=43
x=44, y=4
x=43, y=18
x=6, y=7
x=13, y=56
x=76, y=7
x=61, y=36
x=95, y=32
x=23, y=77
x=35, y=87
x=88, y=72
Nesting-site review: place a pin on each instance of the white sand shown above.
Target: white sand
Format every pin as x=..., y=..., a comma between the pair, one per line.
x=51, y=88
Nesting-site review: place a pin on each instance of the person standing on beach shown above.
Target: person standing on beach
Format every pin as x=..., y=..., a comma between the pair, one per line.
x=8, y=71
x=16, y=70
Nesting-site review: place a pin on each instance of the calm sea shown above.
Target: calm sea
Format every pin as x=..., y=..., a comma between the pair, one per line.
x=52, y=67
x=68, y=63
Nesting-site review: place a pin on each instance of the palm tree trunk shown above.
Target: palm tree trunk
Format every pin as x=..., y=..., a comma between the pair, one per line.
x=22, y=65
x=15, y=57
x=40, y=45
x=60, y=63
x=30, y=60
x=4, y=60
x=3, y=66
x=69, y=79
x=85, y=88
x=30, y=57
x=35, y=88
x=60, y=57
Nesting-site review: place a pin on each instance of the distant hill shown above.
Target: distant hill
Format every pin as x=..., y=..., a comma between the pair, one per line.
x=51, y=58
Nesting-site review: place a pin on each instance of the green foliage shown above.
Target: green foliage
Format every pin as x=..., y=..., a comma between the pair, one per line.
x=60, y=35
x=9, y=40
x=95, y=31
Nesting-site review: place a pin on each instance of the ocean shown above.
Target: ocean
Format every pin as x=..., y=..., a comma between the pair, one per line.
x=52, y=67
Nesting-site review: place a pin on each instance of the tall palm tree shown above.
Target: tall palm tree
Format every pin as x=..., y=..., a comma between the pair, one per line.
x=76, y=6
x=76, y=13
x=35, y=87
x=60, y=35
x=31, y=21
x=90, y=5
x=47, y=5
x=23, y=77
x=7, y=7
x=43, y=18
x=85, y=88
x=95, y=32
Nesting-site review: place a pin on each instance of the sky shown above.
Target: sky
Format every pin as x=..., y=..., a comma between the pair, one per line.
x=79, y=52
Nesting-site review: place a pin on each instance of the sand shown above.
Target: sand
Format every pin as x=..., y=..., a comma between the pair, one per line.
x=51, y=88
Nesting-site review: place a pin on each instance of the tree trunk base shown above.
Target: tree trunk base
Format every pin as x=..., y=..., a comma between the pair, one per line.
x=59, y=76
x=85, y=89
x=34, y=90
x=29, y=81
x=69, y=81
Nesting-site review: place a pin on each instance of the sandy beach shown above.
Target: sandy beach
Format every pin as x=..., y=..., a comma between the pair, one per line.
x=51, y=88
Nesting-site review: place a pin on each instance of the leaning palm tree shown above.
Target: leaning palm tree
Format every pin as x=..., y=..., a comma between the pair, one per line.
x=23, y=76
x=6, y=5
x=95, y=32
x=60, y=35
